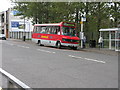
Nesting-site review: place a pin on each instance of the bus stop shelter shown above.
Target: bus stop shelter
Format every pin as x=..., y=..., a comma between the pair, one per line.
x=112, y=36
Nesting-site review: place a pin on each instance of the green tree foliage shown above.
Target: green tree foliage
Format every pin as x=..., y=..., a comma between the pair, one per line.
x=97, y=14
x=114, y=11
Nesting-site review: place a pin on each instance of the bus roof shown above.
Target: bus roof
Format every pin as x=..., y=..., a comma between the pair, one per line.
x=53, y=24
x=49, y=24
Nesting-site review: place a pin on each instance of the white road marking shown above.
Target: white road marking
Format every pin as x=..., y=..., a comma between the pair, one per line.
x=45, y=51
x=27, y=47
x=75, y=57
x=87, y=59
x=23, y=46
x=19, y=45
x=95, y=60
x=9, y=44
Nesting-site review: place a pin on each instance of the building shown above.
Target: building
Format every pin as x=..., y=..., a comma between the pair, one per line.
x=14, y=26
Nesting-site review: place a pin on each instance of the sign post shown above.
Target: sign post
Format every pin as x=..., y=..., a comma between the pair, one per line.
x=82, y=33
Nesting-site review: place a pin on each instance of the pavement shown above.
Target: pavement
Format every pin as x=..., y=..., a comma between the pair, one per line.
x=105, y=51
x=101, y=51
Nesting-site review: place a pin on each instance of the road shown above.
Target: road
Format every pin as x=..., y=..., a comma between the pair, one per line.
x=48, y=67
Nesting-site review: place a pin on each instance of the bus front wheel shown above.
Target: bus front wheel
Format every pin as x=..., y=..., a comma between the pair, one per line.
x=74, y=48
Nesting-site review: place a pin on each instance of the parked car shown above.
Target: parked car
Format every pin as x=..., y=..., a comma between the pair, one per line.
x=2, y=36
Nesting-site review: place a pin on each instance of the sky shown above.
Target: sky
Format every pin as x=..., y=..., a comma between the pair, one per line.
x=4, y=5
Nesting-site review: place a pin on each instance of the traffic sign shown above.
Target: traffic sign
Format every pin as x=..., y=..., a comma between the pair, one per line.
x=81, y=22
x=83, y=19
x=15, y=24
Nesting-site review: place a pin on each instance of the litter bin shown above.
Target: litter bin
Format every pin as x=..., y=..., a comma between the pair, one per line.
x=92, y=43
x=24, y=38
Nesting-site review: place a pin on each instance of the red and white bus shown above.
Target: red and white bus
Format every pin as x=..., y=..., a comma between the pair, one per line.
x=56, y=34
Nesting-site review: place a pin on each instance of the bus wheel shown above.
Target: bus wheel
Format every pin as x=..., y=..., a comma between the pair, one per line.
x=39, y=43
x=58, y=45
x=74, y=48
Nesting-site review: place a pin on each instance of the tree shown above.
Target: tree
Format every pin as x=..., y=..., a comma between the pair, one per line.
x=97, y=14
x=115, y=12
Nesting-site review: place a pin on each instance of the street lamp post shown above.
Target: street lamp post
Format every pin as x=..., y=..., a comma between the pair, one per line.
x=24, y=31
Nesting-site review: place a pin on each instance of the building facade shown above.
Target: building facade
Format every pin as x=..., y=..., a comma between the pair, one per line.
x=12, y=25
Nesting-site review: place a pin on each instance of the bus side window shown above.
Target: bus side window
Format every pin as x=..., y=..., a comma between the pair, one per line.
x=34, y=30
x=54, y=30
x=58, y=30
x=51, y=30
x=43, y=29
x=39, y=29
x=47, y=30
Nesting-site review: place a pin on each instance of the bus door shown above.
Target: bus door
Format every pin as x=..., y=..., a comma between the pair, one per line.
x=36, y=31
x=54, y=35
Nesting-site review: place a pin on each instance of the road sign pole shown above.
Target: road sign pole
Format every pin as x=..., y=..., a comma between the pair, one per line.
x=83, y=19
x=81, y=34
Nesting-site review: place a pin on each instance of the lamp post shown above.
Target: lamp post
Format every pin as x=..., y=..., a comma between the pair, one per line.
x=24, y=26
x=24, y=31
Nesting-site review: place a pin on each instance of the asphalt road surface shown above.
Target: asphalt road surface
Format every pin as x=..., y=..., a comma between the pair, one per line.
x=48, y=67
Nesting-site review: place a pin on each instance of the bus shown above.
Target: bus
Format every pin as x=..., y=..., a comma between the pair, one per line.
x=56, y=34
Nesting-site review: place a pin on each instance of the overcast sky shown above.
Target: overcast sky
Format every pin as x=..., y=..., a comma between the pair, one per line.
x=4, y=5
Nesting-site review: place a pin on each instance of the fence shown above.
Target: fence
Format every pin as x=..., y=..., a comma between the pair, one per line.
x=13, y=82
x=19, y=35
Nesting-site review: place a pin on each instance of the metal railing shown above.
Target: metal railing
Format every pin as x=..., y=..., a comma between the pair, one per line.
x=20, y=35
x=13, y=82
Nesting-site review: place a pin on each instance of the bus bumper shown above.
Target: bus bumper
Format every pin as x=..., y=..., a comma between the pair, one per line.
x=69, y=45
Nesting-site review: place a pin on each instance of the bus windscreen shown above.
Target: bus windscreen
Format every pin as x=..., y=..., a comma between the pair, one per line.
x=68, y=31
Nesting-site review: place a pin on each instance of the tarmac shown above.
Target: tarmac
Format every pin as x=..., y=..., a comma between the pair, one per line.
x=105, y=51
